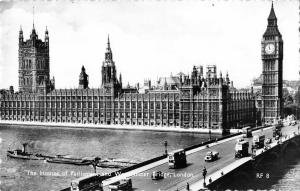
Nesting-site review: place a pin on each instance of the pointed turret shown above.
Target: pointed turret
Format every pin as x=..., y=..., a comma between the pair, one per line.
x=21, y=35
x=272, y=15
x=47, y=36
x=220, y=79
x=227, y=79
x=108, y=44
x=165, y=84
x=120, y=79
x=272, y=28
x=108, y=53
x=83, y=79
x=33, y=34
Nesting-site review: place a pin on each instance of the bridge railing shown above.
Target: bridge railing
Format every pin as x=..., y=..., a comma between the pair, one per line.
x=144, y=163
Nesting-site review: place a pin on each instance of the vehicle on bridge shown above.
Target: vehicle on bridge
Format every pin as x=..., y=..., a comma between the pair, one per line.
x=177, y=159
x=157, y=175
x=93, y=181
x=268, y=141
x=241, y=149
x=277, y=132
x=278, y=123
x=258, y=141
x=122, y=185
x=247, y=131
x=240, y=140
x=211, y=156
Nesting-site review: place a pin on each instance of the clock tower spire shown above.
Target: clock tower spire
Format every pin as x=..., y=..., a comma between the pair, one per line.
x=272, y=56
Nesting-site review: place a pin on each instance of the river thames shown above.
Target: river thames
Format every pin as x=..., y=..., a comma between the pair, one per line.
x=17, y=174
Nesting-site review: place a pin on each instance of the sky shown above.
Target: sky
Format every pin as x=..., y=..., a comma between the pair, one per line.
x=149, y=39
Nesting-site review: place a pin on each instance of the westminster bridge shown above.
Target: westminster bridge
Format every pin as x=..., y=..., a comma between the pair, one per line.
x=219, y=172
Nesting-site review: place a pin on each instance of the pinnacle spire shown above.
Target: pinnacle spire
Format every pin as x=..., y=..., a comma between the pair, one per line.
x=108, y=43
x=108, y=53
x=33, y=18
x=272, y=28
x=272, y=15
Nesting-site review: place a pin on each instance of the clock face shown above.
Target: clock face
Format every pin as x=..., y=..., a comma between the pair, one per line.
x=269, y=49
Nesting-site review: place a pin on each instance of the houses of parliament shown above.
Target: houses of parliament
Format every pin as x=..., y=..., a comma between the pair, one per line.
x=197, y=100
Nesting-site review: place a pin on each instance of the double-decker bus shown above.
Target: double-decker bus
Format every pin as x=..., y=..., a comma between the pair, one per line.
x=177, y=159
x=247, y=131
x=93, y=181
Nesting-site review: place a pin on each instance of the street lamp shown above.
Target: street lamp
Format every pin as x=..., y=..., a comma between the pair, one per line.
x=204, y=172
x=166, y=145
x=94, y=163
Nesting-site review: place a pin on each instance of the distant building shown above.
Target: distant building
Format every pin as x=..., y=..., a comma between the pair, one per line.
x=190, y=101
x=196, y=100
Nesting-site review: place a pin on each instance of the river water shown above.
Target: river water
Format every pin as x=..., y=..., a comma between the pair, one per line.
x=17, y=174
x=24, y=175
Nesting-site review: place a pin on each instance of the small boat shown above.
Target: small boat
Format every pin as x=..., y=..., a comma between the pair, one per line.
x=23, y=154
x=68, y=160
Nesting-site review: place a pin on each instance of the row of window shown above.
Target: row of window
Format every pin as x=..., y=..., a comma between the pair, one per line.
x=270, y=78
x=96, y=114
x=204, y=117
x=269, y=65
x=269, y=91
x=84, y=97
x=186, y=117
x=27, y=64
x=121, y=105
x=27, y=81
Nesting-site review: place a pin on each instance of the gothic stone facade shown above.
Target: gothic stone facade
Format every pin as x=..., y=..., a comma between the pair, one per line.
x=34, y=63
x=193, y=102
x=272, y=55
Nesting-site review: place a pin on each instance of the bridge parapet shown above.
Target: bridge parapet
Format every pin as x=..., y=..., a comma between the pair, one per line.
x=277, y=148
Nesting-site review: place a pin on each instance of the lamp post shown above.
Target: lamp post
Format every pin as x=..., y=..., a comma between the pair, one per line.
x=166, y=145
x=204, y=172
x=94, y=163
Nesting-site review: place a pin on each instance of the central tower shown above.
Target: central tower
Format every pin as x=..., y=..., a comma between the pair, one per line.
x=272, y=55
x=109, y=73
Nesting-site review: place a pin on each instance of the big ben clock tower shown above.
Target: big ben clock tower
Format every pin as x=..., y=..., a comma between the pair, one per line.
x=272, y=55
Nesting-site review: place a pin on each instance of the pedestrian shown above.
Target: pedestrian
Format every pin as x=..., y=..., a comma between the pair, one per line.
x=187, y=186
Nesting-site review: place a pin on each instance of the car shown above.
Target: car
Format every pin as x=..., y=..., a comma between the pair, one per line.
x=157, y=175
x=211, y=156
x=268, y=141
x=240, y=140
x=122, y=185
